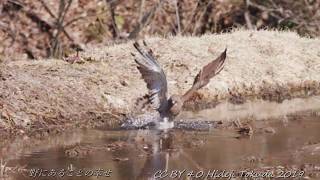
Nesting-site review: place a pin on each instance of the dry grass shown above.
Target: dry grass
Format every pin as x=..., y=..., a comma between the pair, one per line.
x=3, y=169
x=259, y=63
x=255, y=60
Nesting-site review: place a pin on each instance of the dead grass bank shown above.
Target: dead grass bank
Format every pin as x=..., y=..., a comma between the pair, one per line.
x=265, y=64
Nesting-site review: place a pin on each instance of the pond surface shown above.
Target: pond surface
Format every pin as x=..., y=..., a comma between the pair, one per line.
x=141, y=154
x=276, y=148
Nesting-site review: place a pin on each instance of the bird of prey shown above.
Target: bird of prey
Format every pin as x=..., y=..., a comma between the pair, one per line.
x=156, y=81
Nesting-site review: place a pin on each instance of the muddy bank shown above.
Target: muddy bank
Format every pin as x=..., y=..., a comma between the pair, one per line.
x=104, y=85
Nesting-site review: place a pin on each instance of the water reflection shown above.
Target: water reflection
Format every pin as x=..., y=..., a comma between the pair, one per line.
x=146, y=154
x=159, y=160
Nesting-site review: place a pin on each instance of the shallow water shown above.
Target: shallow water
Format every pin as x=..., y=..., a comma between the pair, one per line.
x=141, y=154
x=146, y=154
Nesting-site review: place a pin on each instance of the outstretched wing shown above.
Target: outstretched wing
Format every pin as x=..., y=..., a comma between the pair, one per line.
x=205, y=74
x=153, y=75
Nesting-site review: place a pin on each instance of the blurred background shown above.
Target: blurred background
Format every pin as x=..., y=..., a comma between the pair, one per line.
x=37, y=29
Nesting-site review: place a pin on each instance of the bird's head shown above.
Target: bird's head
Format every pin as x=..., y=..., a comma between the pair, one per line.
x=175, y=104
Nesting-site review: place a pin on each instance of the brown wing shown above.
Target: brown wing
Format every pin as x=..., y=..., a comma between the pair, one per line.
x=205, y=74
x=154, y=77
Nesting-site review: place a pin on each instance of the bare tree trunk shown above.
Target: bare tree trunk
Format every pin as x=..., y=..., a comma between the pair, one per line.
x=177, y=17
x=115, y=29
x=144, y=21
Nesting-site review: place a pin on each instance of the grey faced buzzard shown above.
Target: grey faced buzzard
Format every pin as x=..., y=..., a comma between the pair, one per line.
x=156, y=81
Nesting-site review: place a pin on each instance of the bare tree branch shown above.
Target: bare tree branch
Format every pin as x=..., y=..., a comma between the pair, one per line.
x=201, y=25
x=73, y=21
x=53, y=16
x=142, y=3
x=47, y=8
x=247, y=15
x=195, y=12
x=177, y=16
x=115, y=29
x=63, y=9
x=144, y=21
